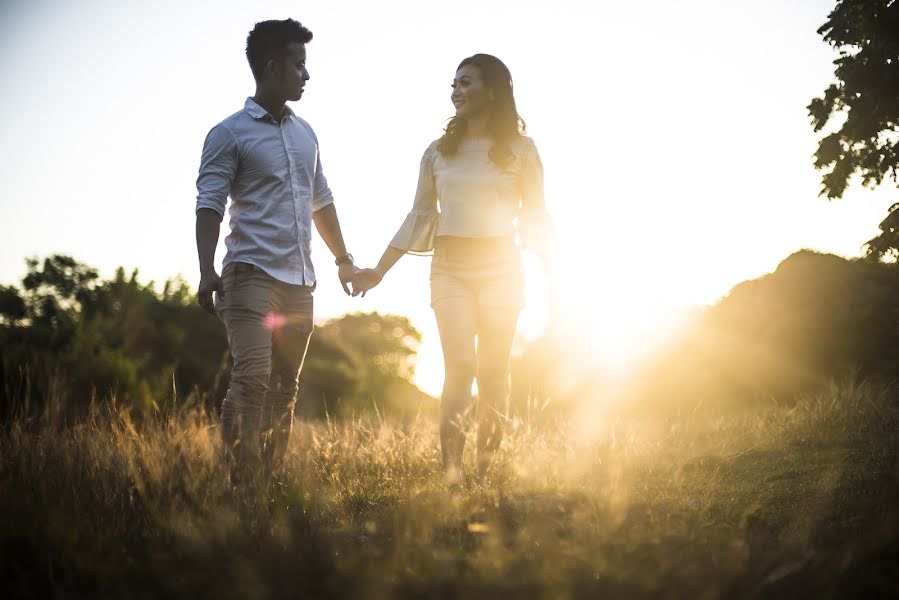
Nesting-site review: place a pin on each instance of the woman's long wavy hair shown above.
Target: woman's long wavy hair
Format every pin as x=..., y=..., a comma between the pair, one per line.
x=504, y=123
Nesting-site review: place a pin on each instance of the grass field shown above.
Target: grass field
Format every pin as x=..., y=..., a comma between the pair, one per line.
x=782, y=501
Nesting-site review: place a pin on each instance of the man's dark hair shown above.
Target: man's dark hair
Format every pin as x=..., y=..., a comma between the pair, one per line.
x=269, y=39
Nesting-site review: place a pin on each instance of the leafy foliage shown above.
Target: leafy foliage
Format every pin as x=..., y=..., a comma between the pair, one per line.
x=866, y=34
x=70, y=338
x=362, y=362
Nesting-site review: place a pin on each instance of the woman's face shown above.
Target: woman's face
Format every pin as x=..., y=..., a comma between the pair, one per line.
x=470, y=94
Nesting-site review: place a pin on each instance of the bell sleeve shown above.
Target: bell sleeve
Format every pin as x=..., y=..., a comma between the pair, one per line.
x=535, y=228
x=418, y=231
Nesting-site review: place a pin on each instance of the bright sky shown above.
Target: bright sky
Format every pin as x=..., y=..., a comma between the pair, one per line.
x=674, y=135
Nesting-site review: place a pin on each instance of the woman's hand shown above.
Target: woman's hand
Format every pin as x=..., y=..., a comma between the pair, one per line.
x=366, y=279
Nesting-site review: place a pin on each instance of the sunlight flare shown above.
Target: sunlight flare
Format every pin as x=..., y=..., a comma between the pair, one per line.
x=273, y=321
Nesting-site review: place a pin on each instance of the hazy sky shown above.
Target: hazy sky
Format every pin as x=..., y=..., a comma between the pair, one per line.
x=674, y=135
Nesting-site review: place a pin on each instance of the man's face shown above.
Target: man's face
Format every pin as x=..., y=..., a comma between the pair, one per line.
x=291, y=73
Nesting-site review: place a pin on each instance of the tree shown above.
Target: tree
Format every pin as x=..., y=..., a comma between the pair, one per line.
x=12, y=306
x=67, y=336
x=358, y=360
x=817, y=318
x=866, y=96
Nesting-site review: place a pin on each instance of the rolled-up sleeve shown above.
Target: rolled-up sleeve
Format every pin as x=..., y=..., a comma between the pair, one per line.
x=534, y=225
x=419, y=229
x=218, y=166
x=321, y=193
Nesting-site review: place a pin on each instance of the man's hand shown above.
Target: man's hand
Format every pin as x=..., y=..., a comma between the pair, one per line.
x=210, y=282
x=347, y=274
x=365, y=280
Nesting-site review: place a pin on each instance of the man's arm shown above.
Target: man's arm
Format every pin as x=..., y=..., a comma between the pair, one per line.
x=218, y=166
x=328, y=227
x=208, y=223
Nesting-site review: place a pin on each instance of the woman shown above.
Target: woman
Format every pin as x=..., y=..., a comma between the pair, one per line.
x=484, y=175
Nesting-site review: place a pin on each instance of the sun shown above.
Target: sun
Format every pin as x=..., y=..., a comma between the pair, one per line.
x=612, y=308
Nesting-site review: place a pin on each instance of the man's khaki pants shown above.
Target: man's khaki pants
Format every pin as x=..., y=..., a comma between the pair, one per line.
x=269, y=323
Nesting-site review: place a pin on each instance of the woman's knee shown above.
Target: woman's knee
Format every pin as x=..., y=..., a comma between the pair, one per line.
x=452, y=407
x=456, y=390
x=461, y=370
x=492, y=377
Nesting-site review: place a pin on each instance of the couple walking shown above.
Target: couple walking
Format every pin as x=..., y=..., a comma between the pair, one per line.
x=475, y=182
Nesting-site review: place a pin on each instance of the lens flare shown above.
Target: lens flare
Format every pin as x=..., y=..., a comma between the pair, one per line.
x=273, y=321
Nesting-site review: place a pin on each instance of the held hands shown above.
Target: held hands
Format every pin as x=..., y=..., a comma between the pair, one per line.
x=361, y=280
x=365, y=280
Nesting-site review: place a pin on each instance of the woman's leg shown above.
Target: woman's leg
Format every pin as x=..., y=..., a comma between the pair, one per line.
x=496, y=329
x=457, y=323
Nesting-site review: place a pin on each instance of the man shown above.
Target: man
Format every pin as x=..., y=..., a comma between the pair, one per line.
x=267, y=159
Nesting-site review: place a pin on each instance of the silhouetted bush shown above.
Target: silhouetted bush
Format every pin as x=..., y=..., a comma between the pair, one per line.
x=816, y=318
x=70, y=339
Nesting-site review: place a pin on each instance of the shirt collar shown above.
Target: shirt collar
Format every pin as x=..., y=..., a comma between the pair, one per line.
x=257, y=112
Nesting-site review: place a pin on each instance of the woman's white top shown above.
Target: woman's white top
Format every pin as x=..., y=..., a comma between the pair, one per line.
x=468, y=195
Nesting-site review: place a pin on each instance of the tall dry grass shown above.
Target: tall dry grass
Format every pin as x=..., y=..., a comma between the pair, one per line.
x=744, y=505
